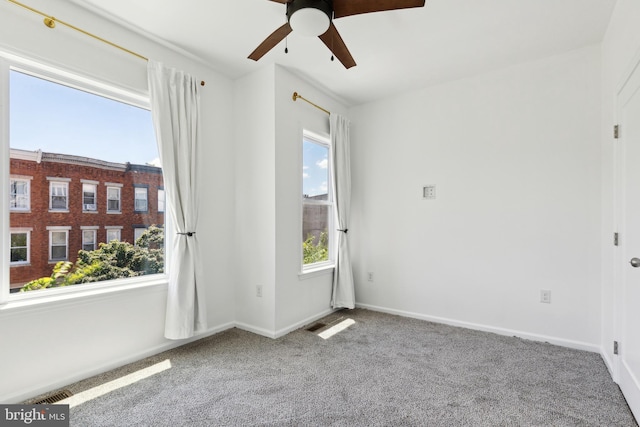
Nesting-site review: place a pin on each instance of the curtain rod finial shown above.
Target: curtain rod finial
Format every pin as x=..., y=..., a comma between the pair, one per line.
x=202, y=83
x=295, y=96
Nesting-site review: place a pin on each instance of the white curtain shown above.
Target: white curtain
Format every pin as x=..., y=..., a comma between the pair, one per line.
x=343, y=295
x=175, y=105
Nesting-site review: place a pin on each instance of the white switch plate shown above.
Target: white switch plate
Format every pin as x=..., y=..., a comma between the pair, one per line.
x=429, y=192
x=545, y=296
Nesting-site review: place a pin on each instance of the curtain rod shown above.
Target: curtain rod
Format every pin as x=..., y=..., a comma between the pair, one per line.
x=50, y=22
x=296, y=96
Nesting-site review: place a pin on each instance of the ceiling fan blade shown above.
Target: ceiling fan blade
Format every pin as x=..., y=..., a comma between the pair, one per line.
x=343, y=8
x=270, y=42
x=331, y=38
x=282, y=1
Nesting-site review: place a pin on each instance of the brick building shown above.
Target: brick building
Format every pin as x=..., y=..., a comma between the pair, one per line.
x=61, y=203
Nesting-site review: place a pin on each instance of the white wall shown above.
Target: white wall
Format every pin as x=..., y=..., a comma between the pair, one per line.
x=52, y=344
x=620, y=47
x=269, y=224
x=254, y=111
x=298, y=301
x=515, y=156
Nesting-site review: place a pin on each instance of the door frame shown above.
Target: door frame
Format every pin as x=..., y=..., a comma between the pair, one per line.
x=621, y=256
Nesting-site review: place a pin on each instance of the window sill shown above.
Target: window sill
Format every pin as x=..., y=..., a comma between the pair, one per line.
x=113, y=213
x=321, y=270
x=58, y=210
x=35, y=299
x=55, y=261
x=90, y=212
x=26, y=211
x=20, y=264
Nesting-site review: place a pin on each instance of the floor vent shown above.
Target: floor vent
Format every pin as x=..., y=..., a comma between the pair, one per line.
x=315, y=327
x=53, y=398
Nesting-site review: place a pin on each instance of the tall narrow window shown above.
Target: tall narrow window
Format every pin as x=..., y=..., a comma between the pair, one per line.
x=58, y=196
x=317, y=201
x=20, y=246
x=113, y=199
x=89, y=191
x=58, y=244
x=19, y=199
x=140, y=199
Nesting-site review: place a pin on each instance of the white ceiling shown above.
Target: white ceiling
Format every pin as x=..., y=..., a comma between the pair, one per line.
x=396, y=51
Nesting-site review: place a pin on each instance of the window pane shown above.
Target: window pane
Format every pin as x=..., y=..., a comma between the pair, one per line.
x=316, y=201
x=315, y=233
x=79, y=151
x=315, y=171
x=18, y=239
x=58, y=252
x=59, y=238
x=19, y=255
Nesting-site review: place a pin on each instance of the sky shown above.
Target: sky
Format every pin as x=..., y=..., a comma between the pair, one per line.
x=314, y=169
x=58, y=119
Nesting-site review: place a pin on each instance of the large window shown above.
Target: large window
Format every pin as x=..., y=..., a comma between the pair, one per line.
x=317, y=202
x=19, y=193
x=76, y=147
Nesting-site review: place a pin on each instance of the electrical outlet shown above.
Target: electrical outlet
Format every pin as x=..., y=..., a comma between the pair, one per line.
x=429, y=192
x=370, y=276
x=545, y=296
x=259, y=291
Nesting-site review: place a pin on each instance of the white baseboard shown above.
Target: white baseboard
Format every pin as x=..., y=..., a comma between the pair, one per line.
x=609, y=364
x=28, y=393
x=578, y=345
x=284, y=331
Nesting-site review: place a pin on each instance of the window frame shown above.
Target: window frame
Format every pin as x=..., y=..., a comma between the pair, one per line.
x=307, y=270
x=20, y=230
x=90, y=83
x=27, y=179
x=114, y=186
x=93, y=230
x=93, y=184
x=112, y=229
x=60, y=183
x=163, y=199
x=139, y=188
x=58, y=229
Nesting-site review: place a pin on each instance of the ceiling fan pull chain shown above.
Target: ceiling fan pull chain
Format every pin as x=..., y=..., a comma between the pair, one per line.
x=286, y=45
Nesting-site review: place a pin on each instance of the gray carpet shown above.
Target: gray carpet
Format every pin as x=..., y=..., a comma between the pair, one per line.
x=382, y=371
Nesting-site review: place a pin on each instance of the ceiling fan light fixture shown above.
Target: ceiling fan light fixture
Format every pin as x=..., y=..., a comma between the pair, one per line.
x=310, y=17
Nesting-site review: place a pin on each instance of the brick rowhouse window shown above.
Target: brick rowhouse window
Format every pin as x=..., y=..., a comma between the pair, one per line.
x=89, y=198
x=20, y=246
x=317, y=203
x=141, y=196
x=19, y=199
x=58, y=195
x=58, y=244
x=80, y=150
x=113, y=199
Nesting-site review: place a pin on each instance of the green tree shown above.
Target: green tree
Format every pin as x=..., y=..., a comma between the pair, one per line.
x=111, y=260
x=315, y=252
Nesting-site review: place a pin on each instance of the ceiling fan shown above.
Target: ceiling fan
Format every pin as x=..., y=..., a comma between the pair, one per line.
x=314, y=18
